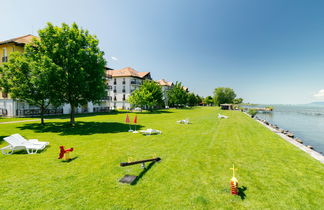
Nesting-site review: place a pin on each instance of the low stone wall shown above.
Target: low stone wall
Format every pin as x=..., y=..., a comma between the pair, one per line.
x=290, y=137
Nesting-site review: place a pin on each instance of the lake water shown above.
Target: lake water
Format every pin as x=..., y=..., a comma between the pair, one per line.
x=305, y=121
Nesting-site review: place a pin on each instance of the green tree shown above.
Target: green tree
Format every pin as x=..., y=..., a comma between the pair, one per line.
x=192, y=99
x=177, y=95
x=238, y=100
x=199, y=99
x=223, y=95
x=209, y=101
x=30, y=78
x=149, y=95
x=80, y=61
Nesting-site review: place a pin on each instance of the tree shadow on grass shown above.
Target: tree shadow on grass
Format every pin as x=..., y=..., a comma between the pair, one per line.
x=1, y=138
x=80, y=115
x=154, y=112
x=80, y=128
x=241, y=192
x=146, y=169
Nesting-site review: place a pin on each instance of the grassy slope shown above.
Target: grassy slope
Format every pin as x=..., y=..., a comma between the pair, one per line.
x=194, y=171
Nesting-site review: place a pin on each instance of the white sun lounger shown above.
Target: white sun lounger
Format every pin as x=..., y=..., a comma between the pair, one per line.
x=150, y=131
x=15, y=144
x=183, y=122
x=222, y=116
x=33, y=141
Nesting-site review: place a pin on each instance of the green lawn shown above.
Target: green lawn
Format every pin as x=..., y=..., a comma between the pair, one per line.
x=194, y=171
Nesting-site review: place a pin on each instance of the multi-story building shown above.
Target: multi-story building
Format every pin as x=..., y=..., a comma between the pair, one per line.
x=166, y=86
x=122, y=83
x=9, y=106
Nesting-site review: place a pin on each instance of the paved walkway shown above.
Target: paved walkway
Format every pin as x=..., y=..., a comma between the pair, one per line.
x=19, y=121
x=314, y=154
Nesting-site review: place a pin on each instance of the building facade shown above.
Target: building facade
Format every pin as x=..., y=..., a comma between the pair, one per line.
x=166, y=86
x=8, y=106
x=121, y=84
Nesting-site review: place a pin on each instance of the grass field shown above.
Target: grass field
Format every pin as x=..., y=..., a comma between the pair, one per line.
x=194, y=171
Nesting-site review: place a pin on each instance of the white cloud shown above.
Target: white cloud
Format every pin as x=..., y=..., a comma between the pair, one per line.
x=114, y=58
x=319, y=94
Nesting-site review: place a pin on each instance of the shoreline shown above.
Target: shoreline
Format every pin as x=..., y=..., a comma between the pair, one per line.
x=316, y=155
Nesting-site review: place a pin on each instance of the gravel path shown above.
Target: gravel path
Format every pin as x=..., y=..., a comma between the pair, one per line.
x=18, y=121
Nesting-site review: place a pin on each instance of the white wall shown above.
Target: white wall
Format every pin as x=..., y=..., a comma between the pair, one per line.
x=119, y=103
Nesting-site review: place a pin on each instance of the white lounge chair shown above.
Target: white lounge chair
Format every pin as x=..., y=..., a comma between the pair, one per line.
x=33, y=141
x=183, y=121
x=15, y=144
x=150, y=131
x=222, y=116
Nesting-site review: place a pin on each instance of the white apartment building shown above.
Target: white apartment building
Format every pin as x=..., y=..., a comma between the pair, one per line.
x=165, y=85
x=121, y=84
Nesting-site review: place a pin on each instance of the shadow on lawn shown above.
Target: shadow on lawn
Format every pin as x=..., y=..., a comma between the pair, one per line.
x=70, y=160
x=80, y=115
x=241, y=192
x=80, y=128
x=1, y=138
x=154, y=112
x=143, y=173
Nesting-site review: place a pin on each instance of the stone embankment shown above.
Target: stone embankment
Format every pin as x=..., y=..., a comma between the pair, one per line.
x=290, y=137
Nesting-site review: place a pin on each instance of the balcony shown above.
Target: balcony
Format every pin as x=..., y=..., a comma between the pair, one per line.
x=106, y=98
x=5, y=59
x=136, y=82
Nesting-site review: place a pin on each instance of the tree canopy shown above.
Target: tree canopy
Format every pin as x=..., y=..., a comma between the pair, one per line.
x=31, y=78
x=79, y=60
x=149, y=95
x=177, y=95
x=223, y=95
x=238, y=100
x=209, y=101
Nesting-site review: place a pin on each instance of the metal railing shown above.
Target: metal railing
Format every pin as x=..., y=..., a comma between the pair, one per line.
x=101, y=109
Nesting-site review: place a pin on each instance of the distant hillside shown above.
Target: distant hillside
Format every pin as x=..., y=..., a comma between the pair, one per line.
x=317, y=103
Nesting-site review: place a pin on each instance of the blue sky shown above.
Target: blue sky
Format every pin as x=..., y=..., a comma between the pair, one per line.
x=267, y=51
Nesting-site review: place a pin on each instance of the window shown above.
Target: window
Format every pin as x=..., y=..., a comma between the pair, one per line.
x=4, y=95
x=115, y=90
x=4, y=55
x=124, y=81
x=115, y=98
x=124, y=97
x=115, y=81
x=124, y=89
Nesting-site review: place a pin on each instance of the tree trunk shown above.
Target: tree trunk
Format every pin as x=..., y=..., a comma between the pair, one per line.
x=42, y=114
x=72, y=120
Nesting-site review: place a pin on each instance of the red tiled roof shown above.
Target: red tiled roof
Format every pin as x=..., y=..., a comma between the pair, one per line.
x=127, y=72
x=163, y=82
x=20, y=40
